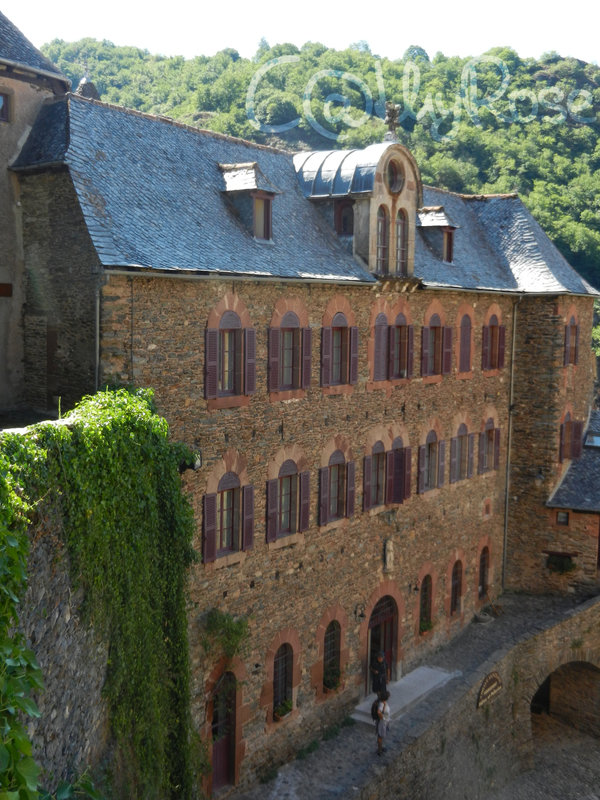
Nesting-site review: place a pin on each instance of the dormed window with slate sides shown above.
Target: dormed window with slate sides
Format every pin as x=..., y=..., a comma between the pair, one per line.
x=289, y=355
x=288, y=502
x=230, y=359
x=228, y=519
x=493, y=345
x=339, y=352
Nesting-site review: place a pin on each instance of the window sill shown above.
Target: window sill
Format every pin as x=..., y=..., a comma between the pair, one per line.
x=227, y=561
x=432, y=378
x=237, y=401
x=464, y=376
x=287, y=394
x=346, y=388
x=491, y=373
x=333, y=524
x=292, y=540
x=386, y=385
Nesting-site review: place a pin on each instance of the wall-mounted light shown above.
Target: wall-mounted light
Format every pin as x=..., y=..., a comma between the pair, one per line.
x=359, y=611
x=414, y=588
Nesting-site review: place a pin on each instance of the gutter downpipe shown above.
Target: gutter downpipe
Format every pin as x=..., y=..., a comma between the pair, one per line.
x=511, y=399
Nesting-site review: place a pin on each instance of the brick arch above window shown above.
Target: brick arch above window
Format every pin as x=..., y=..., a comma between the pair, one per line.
x=336, y=443
x=285, y=305
x=338, y=304
x=493, y=310
x=435, y=307
x=289, y=453
x=230, y=461
x=229, y=302
x=457, y=556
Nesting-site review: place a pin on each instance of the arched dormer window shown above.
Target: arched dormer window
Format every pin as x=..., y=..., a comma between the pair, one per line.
x=401, y=243
x=383, y=241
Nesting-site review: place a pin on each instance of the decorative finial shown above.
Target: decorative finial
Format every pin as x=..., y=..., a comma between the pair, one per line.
x=392, y=113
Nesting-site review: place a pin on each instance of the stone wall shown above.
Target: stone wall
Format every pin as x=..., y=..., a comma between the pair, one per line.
x=71, y=733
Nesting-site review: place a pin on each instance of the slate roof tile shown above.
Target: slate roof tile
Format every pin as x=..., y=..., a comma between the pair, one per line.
x=579, y=489
x=15, y=49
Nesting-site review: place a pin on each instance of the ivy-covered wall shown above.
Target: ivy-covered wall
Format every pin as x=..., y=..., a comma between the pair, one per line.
x=97, y=495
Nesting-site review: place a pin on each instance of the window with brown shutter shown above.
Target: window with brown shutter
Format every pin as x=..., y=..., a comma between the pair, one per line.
x=288, y=502
x=289, y=355
x=571, y=342
x=465, y=344
x=436, y=348
x=493, y=345
x=230, y=359
x=228, y=524
x=339, y=353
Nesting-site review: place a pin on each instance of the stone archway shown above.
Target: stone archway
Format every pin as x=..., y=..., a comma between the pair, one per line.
x=570, y=694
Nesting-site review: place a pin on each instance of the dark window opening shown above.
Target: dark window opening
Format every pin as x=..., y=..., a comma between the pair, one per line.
x=344, y=218
x=383, y=241
x=4, y=107
x=465, y=344
x=449, y=246
x=484, y=569
x=456, y=589
x=331, y=656
x=425, y=600
x=282, y=680
x=262, y=217
x=401, y=243
x=562, y=517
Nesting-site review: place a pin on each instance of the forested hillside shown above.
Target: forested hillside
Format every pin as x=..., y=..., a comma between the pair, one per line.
x=495, y=123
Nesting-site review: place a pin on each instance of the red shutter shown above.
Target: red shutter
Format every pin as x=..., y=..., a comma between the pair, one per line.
x=350, y=489
x=325, y=356
x=407, y=471
x=453, y=451
x=501, y=345
x=272, y=509
x=274, y=339
x=470, y=458
x=248, y=512
x=306, y=357
x=389, y=477
x=421, y=477
x=481, y=455
x=323, y=495
x=367, y=482
x=410, y=360
x=496, y=448
x=304, y=501
x=567, y=353
x=424, y=350
x=561, y=450
x=447, y=352
x=441, y=462
x=250, y=362
x=353, y=355
x=211, y=363
x=577, y=344
x=485, y=347
x=391, y=351
x=209, y=543
x=398, y=476
x=380, y=356
x=577, y=443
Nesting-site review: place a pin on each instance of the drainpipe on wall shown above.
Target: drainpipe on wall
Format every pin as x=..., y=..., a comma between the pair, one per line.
x=511, y=399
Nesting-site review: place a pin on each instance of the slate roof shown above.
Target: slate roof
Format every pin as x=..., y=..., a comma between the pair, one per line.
x=16, y=50
x=579, y=489
x=336, y=173
x=499, y=247
x=151, y=192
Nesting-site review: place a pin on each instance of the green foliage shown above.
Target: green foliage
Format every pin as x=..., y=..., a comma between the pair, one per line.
x=306, y=751
x=331, y=732
x=331, y=677
x=112, y=477
x=283, y=709
x=223, y=630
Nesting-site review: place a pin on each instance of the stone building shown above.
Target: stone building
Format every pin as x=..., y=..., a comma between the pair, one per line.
x=383, y=384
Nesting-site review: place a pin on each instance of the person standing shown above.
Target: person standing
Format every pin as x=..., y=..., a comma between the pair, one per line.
x=379, y=672
x=383, y=723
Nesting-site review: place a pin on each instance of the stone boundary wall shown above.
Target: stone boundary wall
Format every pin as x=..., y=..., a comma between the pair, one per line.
x=71, y=732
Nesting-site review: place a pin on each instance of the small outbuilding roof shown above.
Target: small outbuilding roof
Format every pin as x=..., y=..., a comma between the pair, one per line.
x=579, y=489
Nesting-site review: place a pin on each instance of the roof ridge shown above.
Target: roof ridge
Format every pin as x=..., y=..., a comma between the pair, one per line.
x=175, y=123
x=469, y=196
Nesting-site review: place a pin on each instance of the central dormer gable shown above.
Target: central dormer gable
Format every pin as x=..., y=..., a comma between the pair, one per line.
x=370, y=197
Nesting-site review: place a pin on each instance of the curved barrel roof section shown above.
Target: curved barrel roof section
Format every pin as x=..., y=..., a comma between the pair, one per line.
x=339, y=173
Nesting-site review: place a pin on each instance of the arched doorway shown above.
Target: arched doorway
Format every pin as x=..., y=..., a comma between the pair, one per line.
x=383, y=632
x=223, y=732
x=570, y=695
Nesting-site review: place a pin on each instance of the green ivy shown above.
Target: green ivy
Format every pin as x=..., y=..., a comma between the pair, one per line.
x=111, y=476
x=227, y=632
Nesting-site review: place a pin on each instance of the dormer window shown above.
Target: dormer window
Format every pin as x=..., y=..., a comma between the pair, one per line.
x=344, y=218
x=449, y=245
x=4, y=107
x=394, y=176
x=262, y=215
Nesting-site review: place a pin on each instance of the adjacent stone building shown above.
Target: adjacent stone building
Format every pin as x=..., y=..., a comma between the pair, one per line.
x=382, y=382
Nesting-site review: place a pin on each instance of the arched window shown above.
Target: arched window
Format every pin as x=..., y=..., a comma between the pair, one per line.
x=465, y=344
x=401, y=341
x=339, y=352
x=493, y=344
x=223, y=725
x=484, y=573
x=336, y=489
x=380, y=356
x=431, y=463
x=425, y=601
x=436, y=348
x=282, y=680
x=383, y=240
x=456, y=589
x=331, y=656
x=401, y=243
x=230, y=358
x=489, y=447
x=571, y=342
x=287, y=502
x=228, y=520
x=289, y=355
x=461, y=454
